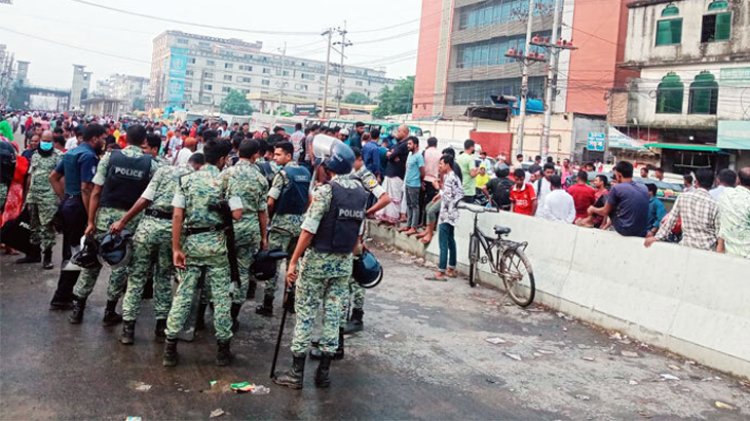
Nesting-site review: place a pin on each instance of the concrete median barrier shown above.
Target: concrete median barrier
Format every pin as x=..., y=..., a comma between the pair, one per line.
x=691, y=302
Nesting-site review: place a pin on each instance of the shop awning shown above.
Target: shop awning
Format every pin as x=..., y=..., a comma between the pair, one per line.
x=684, y=147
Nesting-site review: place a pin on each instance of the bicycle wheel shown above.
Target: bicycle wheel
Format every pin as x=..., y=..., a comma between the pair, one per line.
x=473, y=260
x=518, y=277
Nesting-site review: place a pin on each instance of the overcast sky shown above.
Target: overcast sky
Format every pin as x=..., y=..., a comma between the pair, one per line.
x=130, y=37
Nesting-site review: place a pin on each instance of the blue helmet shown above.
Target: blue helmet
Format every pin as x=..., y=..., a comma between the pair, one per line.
x=367, y=270
x=336, y=156
x=116, y=250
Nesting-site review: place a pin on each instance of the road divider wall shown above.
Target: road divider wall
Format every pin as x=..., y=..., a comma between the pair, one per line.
x=691, y=302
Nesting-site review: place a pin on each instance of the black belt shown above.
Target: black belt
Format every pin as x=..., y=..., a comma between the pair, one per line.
x=201, y=230
x=159, y=214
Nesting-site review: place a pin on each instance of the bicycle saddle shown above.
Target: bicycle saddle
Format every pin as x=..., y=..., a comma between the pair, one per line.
x=501, y=230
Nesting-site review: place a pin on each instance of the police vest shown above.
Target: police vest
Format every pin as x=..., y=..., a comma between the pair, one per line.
x=293, y=197
x=339, y=228
x=127, y=178
x=266, y=170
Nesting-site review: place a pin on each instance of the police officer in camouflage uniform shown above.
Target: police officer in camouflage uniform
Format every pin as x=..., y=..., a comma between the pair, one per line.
x=287, y=201
x=246, y=191
x=330, y=233
x=152, y=243
x=41, y=198
x=121, y=177
x=199, y=251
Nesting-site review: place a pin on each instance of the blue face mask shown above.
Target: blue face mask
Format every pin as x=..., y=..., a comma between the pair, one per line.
x=45, y=146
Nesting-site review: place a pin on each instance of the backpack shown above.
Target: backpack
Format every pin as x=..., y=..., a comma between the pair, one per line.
x=501, y=194
x=7, y=162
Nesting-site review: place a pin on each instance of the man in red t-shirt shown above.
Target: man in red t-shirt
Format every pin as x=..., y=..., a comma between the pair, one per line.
x=583, y=195
x=522, y=195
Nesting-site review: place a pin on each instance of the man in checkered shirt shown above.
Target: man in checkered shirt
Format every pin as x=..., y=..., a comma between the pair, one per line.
x=699, y=213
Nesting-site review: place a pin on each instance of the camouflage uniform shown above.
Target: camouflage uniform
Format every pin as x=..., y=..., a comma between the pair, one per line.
x=42, y=199
x=153, y=239
x=205, y=253
x=105, y=217
x=323, y=277
x=284, y=230
x=245, y=188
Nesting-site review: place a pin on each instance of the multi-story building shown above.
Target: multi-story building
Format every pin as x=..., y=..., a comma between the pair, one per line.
x=80, y=87
x=691, y=102
x=131, y=91
x=196, y=72
x=461, y=58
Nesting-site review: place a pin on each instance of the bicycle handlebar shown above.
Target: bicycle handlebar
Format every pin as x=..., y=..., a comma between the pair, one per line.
x=475, y=208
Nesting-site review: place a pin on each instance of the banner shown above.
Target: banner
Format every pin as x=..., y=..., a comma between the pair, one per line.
x=733, y=134
x=177, y=69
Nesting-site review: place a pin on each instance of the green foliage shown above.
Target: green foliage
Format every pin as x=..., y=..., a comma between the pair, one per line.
x=397, y=100
x=236, y=103
x=357, y=98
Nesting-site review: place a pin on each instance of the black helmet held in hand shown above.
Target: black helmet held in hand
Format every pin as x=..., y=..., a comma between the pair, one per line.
x=86, y=258
x=116, y=250
x=264, y=266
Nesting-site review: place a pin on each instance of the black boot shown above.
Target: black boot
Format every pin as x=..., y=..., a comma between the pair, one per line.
x=355, y=324
x=63, y=297
x=170, y=358
x=267, y=308
x=295, y=376
x=321, y=374
x=47, y=261
x=128, y=332
x=251, y=290
x=111, y=317
x=200, y=319
x=224, y=354
x=161, y=326
x=235, y=310
x=76, y=316
x=317, y=354
x=34, y=256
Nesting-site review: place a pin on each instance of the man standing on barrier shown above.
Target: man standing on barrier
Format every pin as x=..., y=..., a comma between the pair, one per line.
x=287, y=201
x=197, y=203
x=246, y=191
x=152, y=248
x=120, y=179
x=330, y=232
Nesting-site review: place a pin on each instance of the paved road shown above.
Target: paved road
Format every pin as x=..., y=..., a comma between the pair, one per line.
x=424, y=354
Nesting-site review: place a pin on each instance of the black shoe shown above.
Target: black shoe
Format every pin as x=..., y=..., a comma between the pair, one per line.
x=76, y=316
x=200, y=319
x=251, y=290
x=224, y=354
x=161, y=326
x=63, y=297
x=266, y=309
x=170, y=358
x=111, y=317
x=322, y=378
x=235, y=311
x=317, y=354
x=128, y=332
x=295, y=376
x=47, y=261
x=355, y=324
x=33, y=257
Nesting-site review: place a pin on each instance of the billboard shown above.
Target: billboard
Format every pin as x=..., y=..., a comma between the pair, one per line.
x=733, y=134
x=178, y=59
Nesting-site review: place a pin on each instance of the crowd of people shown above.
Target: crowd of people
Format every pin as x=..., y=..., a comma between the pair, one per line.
x=158, y=196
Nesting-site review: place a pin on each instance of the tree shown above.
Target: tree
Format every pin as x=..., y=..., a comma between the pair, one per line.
x=139, y=104
x=397, y=100
x=357, y=98
x=236, y=103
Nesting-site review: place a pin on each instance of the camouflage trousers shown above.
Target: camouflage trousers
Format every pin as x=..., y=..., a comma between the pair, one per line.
x=42, y=228
x=217, y=279
x=152, y=248
x=357, y=294
x=119, y=277
x=245, y=259
x=284, y=240
x=310, y=292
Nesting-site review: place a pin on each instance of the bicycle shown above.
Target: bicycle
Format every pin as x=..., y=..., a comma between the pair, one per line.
x=509, y=261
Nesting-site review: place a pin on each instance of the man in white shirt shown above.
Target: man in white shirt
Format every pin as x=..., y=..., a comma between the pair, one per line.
x=187, y=150
x=558, y=205
x=297, y=138
x=727, y=179
x=542, y=186
x=72, y=139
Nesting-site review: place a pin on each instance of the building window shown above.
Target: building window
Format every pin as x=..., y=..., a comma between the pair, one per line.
x=228, y=65
x=499, y=11
x=716, y=26
x=210, y=63
x=669, y=31
x=492, y=52
x=182, y=41
x=265, y=82
x=208, y=75
x=228, y=77
x=358, y=83
x=300, y=87
x=704, y=94
x=266, y=70
x=206, y=99
x=191, y=60
x=245, y=91
x=208, y=87
x=669, y=94
x=478, y=93
x=244, y=80
x=188, y=72
x=226, y=89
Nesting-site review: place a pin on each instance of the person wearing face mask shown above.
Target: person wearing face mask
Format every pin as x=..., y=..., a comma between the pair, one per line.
x=42, y=201
x=72, y=181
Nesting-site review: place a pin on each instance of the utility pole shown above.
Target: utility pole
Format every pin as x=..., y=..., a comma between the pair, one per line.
x=340, y=92
x=281, y=86
x=549, y=96
x=525, y=79
x=329, y=33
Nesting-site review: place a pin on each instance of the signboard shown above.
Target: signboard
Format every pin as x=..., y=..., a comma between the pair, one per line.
x=175, y=91
x=595, y=141
x=739, y=76
x=305, y=109
x=177, y=69
x=620, y=140
x=733, y=134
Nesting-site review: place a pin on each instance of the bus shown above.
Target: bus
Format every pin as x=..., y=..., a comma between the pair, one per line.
x=387, y=128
